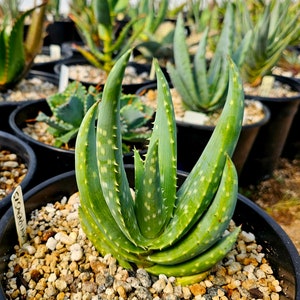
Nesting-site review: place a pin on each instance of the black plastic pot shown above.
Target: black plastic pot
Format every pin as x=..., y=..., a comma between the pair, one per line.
x=192, y=139
x=7, y=107
x=27, y=156
x=49, y=65
x=126, y=88
x=291, y=148
x=278, y=247
x=61, y=31
x=51, y=160
x=270, y=141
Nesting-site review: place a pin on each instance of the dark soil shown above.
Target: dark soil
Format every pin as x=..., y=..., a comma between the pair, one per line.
x=279, y=196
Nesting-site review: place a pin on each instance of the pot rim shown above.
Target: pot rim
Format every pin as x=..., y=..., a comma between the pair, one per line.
x=27, y=155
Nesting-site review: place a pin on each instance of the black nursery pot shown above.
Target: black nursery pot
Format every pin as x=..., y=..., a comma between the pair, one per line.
x=278, y=247
x=61, y=31
x=51, y=160
x=270, y=141
x=27, y=156
x=7, y=107
x=192, y=139
x=126, y=88
x=49, y=65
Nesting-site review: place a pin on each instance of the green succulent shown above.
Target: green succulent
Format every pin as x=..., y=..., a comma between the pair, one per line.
x=97, y=23
x=17, y=55
x=274, y=28
x=162, y=228
x=135, y=117
x=203, y=87
x=69, y=107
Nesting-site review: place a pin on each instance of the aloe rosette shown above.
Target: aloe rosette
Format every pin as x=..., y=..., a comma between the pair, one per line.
x=177, y=231
x=17, y=54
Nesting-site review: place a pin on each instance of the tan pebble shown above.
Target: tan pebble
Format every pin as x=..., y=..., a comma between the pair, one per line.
x=234, y=267
x=41, y=285
x=60, y=296
x=60, y=284
x=169, y=288
x=73, y=266
x=122, y=292
x=266, y=268
x=234, y=284
x=41, y=251
x=89, y=287
x=197, y=289
x=159, y=285
x=250, y=261
x=186, y=292
x=97, y=266
x=249, y=284
x=208, y=283
x=275, y=296
x=50, y=291
x=122, y=275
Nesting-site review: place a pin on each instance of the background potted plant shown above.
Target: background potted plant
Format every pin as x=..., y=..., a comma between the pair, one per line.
x=51, y=125
x=17, y=55
x=202, y=87
x=274, y=27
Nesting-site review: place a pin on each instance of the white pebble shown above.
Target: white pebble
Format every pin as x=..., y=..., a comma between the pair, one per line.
x=76, y=252
x=51, y=243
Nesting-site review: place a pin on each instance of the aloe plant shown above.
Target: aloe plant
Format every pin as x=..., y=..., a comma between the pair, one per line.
x=96, y=23
x=178, y=232
x=274, y=28
x=203, y=87
x=69, y=107
x=17, y=55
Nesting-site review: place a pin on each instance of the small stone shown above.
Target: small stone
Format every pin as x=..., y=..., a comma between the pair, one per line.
x=76, y=252
x=51, y=243
x=197, y=289
x=60, y=284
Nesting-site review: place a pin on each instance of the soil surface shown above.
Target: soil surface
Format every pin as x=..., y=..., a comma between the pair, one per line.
x=279, y=196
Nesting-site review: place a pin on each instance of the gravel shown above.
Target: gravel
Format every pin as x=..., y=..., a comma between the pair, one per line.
x=12, y=172
x=59, y=262
x=29, y=89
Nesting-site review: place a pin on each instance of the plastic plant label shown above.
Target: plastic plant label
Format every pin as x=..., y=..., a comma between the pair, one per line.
x=19, y=214
x=63, y=78
x=196, y=118
x=266, y=86
x=55, y=52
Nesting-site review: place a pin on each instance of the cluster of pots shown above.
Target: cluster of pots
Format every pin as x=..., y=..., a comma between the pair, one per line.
x=51, y=170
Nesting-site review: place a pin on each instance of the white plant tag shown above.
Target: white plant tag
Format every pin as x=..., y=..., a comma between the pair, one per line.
x=63, y=78
x=55, y=52
x=193, y=117
x=19, y=214
x=266, y=86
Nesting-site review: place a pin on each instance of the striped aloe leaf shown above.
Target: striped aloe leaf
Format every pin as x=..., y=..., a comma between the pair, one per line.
x=135, y=225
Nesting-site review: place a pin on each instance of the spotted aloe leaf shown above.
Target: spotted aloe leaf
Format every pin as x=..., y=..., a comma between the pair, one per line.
x=155, y=218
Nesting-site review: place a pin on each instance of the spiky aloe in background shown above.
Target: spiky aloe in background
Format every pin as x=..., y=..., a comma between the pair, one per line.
x=203, y=86
x=274, y=27
x=17, y=55
x=96, y=22
x=165, y=230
